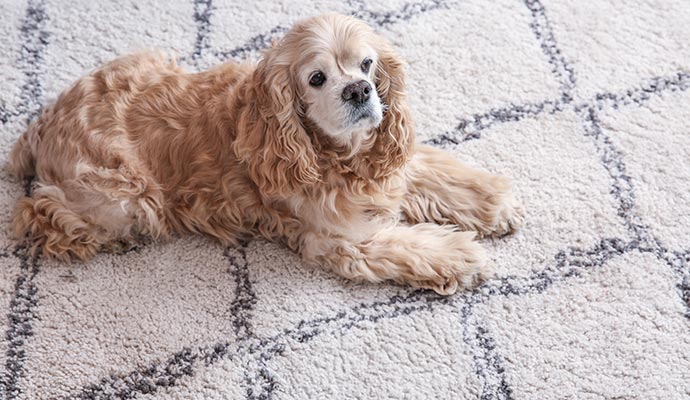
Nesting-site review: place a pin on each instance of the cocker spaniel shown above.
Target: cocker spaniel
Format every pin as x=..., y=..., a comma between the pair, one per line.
x=313, y=147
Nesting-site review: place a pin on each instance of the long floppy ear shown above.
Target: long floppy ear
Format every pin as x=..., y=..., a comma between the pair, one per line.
x=395, y=136
x=271, y=139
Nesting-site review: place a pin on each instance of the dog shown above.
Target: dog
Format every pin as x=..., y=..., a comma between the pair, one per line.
x=313, y=147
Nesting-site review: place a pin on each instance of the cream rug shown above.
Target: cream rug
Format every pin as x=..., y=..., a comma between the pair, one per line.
x=584, y=103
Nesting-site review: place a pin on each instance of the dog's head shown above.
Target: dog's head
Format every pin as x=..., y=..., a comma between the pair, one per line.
x=335, y=60
x=336, y=74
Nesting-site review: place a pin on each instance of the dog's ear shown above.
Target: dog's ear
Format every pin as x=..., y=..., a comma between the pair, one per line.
x=395, y=135
x=271, y=139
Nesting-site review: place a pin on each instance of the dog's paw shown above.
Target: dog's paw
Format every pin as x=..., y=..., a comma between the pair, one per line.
x=464, y=266
x=121, y=246
x=511, y=217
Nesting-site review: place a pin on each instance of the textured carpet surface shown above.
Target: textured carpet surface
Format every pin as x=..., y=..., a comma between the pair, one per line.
x=584, y=103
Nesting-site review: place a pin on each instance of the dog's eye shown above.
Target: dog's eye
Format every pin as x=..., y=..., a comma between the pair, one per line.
x=317, y=79
x=366, y=64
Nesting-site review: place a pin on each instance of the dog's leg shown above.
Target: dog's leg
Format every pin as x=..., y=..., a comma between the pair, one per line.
x=46, y=221
x=442, y=190
x=424, y=255
x=76, y=218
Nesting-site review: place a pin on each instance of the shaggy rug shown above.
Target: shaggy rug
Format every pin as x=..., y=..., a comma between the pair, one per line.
x=584, y=103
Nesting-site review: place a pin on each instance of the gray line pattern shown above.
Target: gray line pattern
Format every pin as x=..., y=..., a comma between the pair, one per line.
x=623, y=189
x=25, y=299
x=679, y=262
x=21, y=314
x=6, y=115
x=254, y=44
x=245, y=298
x=612, y=160
x=569, y=263
x=380, y=19
x=561, y=68
x=471, y=128
x=35, y=39
x=405, y=13
x=488, y=364
x=202, y=17
x=680, y=81
x=156, y=375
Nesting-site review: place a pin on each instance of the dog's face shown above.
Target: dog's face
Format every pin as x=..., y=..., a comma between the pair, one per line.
x=334, y=64
x=338, y=86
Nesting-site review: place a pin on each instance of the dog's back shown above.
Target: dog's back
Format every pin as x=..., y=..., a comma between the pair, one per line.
x=113, y=149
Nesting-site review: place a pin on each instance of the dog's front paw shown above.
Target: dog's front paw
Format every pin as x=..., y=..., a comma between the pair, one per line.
x=511, y=217
x=463, y=266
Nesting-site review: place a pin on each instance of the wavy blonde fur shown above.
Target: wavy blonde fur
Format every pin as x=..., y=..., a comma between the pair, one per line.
x=141, y=147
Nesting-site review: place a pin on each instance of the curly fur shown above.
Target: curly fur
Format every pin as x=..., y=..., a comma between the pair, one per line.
x=141, y=147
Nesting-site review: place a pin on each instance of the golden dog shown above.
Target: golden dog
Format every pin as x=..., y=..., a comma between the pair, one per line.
x=313, y=147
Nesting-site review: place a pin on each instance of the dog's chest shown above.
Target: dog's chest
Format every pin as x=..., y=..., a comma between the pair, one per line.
x=349, y=210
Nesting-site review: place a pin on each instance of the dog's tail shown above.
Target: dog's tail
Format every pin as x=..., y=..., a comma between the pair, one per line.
x=22, y=162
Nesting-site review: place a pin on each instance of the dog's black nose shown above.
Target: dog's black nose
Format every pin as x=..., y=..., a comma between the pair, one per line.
x=357, y=92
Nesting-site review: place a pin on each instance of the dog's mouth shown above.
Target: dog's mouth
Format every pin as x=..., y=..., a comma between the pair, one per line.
x=364, y=114
x=359, y=113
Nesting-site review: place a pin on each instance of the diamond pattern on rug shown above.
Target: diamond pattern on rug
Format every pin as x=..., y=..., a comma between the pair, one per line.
x=107, y=30
x=446, y=81
x=616, y=331
x=290, y=292
x=583, y=104
x=377, y=364
x=657, y=151
x=614, y=43
x=565, y=190
x=119, y=312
